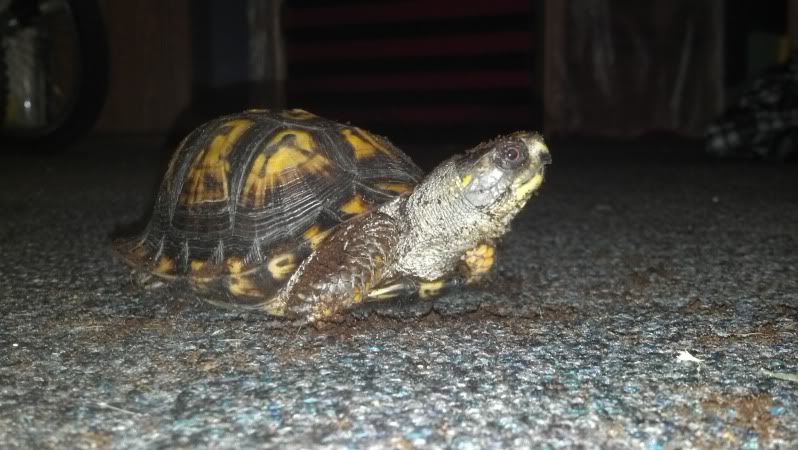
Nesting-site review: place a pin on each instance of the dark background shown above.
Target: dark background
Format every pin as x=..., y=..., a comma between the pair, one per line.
x=439, y=72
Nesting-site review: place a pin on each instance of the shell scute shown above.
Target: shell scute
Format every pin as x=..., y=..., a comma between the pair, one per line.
x=208, y=178
x=364, y=144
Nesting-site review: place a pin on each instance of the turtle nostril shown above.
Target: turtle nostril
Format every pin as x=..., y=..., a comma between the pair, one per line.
x=545, y=157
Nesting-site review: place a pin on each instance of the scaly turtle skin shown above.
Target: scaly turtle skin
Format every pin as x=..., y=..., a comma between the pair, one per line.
x=304, y=218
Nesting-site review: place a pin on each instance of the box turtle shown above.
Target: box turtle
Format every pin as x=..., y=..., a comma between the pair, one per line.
x=305, y=218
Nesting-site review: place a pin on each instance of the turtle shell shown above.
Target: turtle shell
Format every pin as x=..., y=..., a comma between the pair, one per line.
x=248, y=196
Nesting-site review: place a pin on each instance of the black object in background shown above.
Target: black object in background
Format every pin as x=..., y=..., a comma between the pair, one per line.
x=53, y=72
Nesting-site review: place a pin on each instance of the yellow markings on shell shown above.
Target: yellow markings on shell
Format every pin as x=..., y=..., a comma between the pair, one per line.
x=355, y=206
x=197, y=266
x=315, y=235
x=257, y=183
x=243, y=285
x=429, y=289
x=298, y=114
x=479, y=260
x=364, y=144
x=525, y=190
x=284, y=159
x=302, y=139
x=207, y=181
x=466, y=180
x=199, y=271
x=282, y=266
x=302, y=143
x=295, y=155
x=399, y=188
x=165, y=265
x=235, y=265
x=357, y=296
x=240, y=282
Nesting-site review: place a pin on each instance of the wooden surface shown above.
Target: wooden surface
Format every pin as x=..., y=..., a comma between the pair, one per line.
x=150, y=80
x=792, y=23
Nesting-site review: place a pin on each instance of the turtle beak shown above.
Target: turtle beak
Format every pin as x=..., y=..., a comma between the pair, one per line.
x=539, y=153
x=539, y=158
x=543, y=155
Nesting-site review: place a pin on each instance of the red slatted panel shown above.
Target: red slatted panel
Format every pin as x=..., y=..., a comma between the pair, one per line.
x=400, y=11
x=417, y=64
x=417, y=80
x=469, y=44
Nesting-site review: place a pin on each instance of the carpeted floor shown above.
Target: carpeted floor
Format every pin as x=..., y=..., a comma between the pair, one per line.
x=640, y=303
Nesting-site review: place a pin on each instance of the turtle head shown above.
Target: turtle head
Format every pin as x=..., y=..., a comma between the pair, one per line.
x=498, y=177
x=466, y=200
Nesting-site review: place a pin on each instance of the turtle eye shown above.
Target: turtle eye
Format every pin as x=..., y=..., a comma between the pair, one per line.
x=511, y=156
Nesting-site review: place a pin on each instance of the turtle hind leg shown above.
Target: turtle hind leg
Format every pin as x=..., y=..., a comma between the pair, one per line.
x=249, y=291
x=147, y=280
x=411, y=289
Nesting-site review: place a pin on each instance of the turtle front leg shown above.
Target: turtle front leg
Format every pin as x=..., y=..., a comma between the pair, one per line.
x=477, y=262
x=475, y=265
x=342, y=271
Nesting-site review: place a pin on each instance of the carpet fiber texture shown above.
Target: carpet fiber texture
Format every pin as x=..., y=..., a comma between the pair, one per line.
x=638, y=304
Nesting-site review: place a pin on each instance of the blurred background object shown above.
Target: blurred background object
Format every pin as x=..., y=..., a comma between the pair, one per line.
x=760, y=120
x=53, y=70
x=624, y=68
x=417, y=71
x=763, y=121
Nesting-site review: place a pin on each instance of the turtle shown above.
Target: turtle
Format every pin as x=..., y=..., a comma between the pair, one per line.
x=304, y=218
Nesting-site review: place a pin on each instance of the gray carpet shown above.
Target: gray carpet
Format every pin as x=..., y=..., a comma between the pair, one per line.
x=638, y=305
